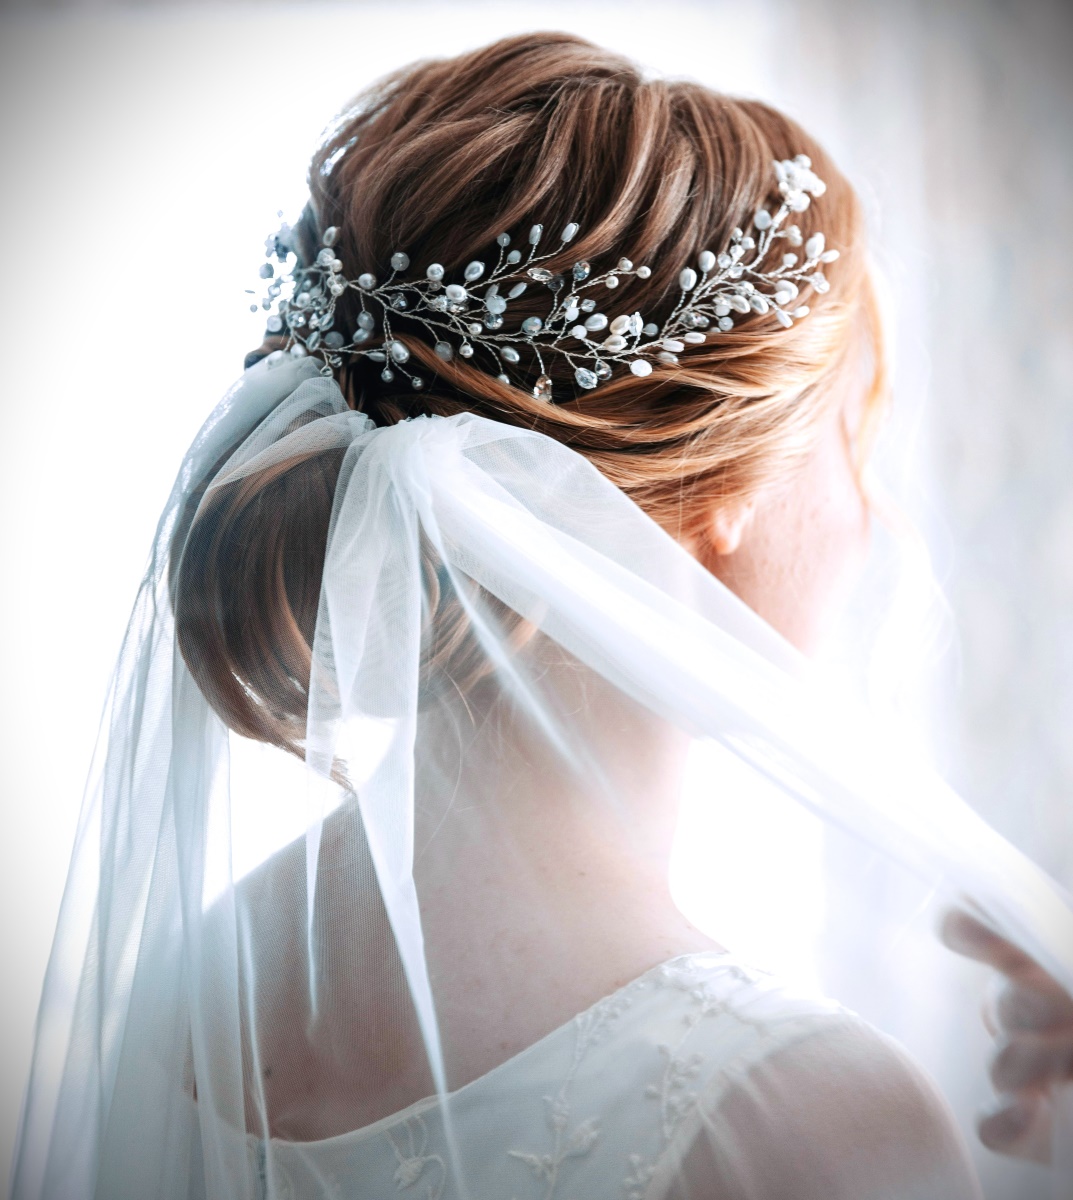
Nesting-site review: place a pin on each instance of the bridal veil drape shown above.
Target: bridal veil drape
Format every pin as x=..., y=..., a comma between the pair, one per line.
x=195, y=933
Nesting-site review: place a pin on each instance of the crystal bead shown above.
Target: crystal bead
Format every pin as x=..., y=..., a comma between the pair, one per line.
x=510, y=354
x=456, y=292
x=444, y=350
x=325, y=257
x=581, y=270
x=313, y=341
x=706, y=260
x=399, y=351
x=532, y=325
x=641, y=366
x=399, y=261
x=493, y=322
x=516, y=291
x=367, y=281
x=694, y=337
x=614, y=343
x=596, y=321
x=335, y=340
x=416, y=382
x=376, y=355
x=400, y=303
x=603, y=371
x=366, y=320
x=331, y=235
x=624, y=264
x=570, y=232
x=726, y=324
x=588, y=304
x=542, y=388
x=762, y=219
x=473, y=271
x=434, y=271
x=515, y=256
x=722, y=308
x=540, y=274
x=495, y=304
x=503, y=378
x=724, y=260
x=673, y=344
x=466, y=350
x=535, y=234
x=503, y=239
x=651, y=329
x=586, y=378
x=267, y=271
x=387, y=374
x=620, y=324
x=644, y=272
x=556, y=283
x=361, y=335
x=438, y=303
x=274, y=324
x=636, y=324
x=611, y=281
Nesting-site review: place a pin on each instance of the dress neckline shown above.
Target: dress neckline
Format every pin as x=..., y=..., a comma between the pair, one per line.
x=724, y=958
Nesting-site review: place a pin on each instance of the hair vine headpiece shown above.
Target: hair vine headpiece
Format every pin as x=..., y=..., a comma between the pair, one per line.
x=727, y=284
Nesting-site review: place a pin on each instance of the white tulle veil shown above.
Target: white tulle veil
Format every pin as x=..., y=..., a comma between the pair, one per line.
x=205, y=877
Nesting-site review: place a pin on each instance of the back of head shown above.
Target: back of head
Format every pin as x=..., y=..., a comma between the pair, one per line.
x=439, y=158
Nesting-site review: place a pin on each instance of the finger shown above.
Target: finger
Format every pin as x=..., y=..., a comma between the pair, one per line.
x=1021, y=1006
x=1018, y=1126
x=1032, y=1059
x=968, y=936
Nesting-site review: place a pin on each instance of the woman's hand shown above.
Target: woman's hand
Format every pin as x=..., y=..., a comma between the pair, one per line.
x=1031, y=1018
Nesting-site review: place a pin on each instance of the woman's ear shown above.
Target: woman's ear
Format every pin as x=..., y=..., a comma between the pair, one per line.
x=728, y=524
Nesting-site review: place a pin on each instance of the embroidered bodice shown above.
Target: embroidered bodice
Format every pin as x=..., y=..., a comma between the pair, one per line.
x=606, y=1106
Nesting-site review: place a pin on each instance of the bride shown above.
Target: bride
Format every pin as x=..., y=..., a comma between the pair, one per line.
x=552, y=466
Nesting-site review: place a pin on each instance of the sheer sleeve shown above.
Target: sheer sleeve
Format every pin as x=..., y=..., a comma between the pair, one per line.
x=841, y=1113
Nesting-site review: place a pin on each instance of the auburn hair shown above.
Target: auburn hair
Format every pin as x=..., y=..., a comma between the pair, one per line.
x=437, y=159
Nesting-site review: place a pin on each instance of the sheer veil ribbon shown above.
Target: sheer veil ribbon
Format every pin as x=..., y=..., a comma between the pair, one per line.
x=145, y=990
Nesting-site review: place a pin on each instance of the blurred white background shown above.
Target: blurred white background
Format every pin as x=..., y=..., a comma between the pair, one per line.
x=146, y=149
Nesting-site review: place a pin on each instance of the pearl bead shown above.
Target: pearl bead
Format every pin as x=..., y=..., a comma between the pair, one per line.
x=641, y=366
x=596, y=321
x=456, y=292
x=726, y=324
x=474, y=327
x=367, y=281
x=516, y=291
x=620, y=324
x=473, y=271
x=503, y=378
x=571, y=313
x=624, y=264
x=535, y=234
x=331, y=235
x=784, y=318
x=503, y=239
x=399, y=352
x=673, y=344
x=532, y=325
x=496, y=304
x=417, y=383
x=762, y=220
x=611, y=281
x=434, y=271
x=570, y=232
x=651, y=329
x=387, y=374
x=466, y=350
x=399, y=261
x=366, y=320
x=706, y=261
x=515, y=256
x=687, y=278
x=579, y=332
x=615, y=343
x=644, y=272
x=694, y=337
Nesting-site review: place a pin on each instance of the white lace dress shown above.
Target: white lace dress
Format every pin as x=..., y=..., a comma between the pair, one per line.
x=702, y=1078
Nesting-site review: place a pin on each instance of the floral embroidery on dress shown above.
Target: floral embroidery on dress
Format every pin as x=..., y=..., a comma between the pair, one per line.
x=413, y=1159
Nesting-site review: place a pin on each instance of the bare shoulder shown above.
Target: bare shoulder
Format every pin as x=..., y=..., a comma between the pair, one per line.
x=840, y=1113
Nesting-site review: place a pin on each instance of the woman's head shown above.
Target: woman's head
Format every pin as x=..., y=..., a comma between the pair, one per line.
x=440, y=157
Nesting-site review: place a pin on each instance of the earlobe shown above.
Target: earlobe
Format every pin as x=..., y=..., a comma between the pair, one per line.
x=728, y=526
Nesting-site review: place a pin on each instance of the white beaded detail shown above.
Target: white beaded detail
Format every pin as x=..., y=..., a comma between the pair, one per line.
x=302, y=300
